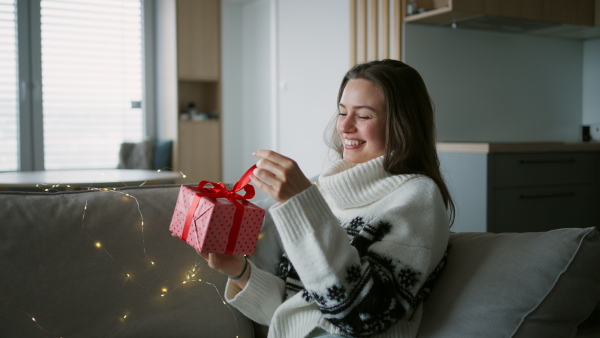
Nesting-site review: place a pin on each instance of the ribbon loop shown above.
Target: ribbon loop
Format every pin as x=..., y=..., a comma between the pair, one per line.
x=220, y=190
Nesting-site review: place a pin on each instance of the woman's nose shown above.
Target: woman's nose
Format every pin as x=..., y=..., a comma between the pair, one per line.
x=347, y=124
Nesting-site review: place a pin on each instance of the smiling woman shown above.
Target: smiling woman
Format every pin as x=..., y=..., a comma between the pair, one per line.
x=395, y=92
x=362, y=247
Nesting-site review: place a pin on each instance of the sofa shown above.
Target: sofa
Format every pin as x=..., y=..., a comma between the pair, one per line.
x=102, y=263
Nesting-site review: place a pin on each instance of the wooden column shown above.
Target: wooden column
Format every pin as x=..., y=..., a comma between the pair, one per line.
x=372, y=35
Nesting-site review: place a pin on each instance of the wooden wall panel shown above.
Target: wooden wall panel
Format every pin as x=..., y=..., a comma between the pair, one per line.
x=375, y=30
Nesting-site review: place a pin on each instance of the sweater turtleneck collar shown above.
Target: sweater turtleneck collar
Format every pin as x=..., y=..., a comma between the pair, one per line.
x=351, y=185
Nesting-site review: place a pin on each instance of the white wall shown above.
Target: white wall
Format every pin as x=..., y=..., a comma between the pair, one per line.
x=283, y=61
x=231, y=88
x=490, y=86
x=313, y=56
x=246, y=84
x=591, y=82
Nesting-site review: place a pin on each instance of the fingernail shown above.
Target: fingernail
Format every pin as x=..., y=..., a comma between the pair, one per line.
x=254, y=153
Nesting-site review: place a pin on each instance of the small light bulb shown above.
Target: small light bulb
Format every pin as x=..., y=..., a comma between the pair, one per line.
x=158, y=170
x=164, y=289
x=152, y=262
x=32, y=318
x=183, y=282
x=142, y=223
x=184, y=176
x=162, y=295
x=98, y=245
x=224, y=303
x=128, y=276
x=125, y=317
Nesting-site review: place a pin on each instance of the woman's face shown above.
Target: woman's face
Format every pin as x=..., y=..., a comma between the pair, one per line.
x=361, y=121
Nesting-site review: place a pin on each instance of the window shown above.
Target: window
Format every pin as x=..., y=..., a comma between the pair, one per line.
x=91, y=74
x=8, y=87
x=84, y=77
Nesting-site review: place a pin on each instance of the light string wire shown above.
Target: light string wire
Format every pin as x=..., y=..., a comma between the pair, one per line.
x=190, y=276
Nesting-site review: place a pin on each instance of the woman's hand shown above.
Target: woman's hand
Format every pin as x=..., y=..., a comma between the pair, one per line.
x=278, y=176
x=230, y=265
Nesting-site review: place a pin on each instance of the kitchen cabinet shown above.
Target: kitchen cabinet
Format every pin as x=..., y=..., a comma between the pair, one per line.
x=198, y=83
x=443, y=12
x=522, y=187
x=508, y=15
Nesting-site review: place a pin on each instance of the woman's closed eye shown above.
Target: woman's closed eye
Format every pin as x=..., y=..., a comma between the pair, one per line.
x=360, y=117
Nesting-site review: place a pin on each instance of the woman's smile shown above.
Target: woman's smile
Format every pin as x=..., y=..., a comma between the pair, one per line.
x=352, y=143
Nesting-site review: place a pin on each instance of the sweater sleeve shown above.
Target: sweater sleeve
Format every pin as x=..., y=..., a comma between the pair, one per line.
x=365, y=285
x=260, y=298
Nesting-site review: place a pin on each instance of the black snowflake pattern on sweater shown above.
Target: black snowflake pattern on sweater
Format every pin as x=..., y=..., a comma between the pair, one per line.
x=377, y=294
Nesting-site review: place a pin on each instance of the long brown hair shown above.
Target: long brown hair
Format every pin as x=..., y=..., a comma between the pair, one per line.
x=410, y=123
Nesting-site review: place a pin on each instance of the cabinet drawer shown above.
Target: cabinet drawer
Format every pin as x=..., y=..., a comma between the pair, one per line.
x=542, y=169
x=543, y=209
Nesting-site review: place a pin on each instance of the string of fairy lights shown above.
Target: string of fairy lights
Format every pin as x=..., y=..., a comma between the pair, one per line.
x=190, y=276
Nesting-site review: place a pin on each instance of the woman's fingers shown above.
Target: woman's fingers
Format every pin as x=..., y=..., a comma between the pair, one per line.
x=266, y=174
x=272, y=164
x=278, y=176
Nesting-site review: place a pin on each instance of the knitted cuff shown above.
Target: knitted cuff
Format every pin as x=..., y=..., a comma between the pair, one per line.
x=243, y=271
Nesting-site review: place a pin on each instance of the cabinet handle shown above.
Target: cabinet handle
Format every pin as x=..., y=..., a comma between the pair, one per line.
x=569, y=160
x=531, y=197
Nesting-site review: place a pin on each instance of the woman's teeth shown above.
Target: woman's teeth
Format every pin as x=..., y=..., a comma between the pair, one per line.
x=352, y=142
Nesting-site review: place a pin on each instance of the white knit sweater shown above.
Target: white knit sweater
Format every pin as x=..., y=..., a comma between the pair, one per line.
x=361, y=253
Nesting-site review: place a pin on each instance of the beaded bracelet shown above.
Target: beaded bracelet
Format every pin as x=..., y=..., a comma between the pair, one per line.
x=243, y=271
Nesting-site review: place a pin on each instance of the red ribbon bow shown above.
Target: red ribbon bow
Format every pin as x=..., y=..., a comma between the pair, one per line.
x=219, y=190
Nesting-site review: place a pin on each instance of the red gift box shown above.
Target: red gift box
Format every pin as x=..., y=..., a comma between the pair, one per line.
x=218, y=220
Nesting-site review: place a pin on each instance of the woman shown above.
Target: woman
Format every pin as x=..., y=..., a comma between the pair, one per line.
x=363, y=247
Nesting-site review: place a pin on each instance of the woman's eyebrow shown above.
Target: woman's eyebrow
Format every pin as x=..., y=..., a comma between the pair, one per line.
x=359, y=107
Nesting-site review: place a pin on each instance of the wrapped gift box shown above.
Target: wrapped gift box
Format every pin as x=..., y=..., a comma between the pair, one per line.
x=211, y=223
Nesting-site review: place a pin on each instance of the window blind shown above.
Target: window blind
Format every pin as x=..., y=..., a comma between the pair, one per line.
x=91, y=78
x=8, y=87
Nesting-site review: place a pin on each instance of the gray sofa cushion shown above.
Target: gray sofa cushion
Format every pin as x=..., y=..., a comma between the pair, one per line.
x=515, y=285
x=494, y=285
x=53, y=271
